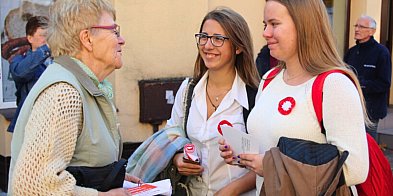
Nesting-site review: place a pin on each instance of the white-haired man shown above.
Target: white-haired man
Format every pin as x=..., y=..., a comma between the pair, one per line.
x=372, y=63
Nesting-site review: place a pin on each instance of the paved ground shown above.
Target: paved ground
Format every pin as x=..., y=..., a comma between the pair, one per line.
x=389, y=155
x=385, y=130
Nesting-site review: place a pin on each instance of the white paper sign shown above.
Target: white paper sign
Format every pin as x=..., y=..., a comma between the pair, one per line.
x=170, y=98
x=240, y=142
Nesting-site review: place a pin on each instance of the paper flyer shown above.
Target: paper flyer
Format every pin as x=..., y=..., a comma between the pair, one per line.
x=162, y=187
x=240, y=142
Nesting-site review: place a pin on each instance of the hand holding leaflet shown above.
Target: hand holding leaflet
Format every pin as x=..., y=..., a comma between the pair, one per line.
x=240, y=142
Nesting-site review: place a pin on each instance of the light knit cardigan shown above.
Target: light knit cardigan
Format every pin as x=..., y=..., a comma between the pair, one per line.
x=58, y=145
x=49, y=138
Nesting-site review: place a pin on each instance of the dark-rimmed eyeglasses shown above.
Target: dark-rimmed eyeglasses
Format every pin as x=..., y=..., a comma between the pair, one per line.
x=216, y=40
x=115, y=28
x=362, y=27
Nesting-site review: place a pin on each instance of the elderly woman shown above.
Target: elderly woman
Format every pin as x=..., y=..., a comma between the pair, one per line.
x=69, y=118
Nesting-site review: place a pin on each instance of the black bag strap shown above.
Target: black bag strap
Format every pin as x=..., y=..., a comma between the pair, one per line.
x=251, y=94
x=338, y=179
x=106, y=185
x=187, y=102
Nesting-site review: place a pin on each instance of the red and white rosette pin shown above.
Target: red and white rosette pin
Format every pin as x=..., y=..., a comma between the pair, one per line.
x=286, y=105
x=190, y=153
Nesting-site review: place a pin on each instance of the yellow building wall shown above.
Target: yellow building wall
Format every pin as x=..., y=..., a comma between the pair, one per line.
x=339, y=25
x=5, y=137
x=364, y=7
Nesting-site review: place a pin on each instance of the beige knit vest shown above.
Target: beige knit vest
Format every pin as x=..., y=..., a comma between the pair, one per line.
x=99, y=141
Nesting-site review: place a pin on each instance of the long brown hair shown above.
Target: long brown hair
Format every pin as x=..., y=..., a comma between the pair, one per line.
x=238, y=32
x=317, y=51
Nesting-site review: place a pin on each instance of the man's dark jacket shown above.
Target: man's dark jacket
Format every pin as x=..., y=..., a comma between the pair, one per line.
x=26, y=70
x=372, y=63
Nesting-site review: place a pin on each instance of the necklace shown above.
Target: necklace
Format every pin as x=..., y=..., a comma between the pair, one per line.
x=288, y=78
x=208, y=97
x=216, y=98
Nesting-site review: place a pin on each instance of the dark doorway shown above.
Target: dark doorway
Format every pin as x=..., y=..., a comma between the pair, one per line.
x=386, y=36
x=386, y=23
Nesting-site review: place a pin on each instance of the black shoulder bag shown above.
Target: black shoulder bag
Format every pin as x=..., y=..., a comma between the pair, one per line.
x=178, y=181
x=100, y=178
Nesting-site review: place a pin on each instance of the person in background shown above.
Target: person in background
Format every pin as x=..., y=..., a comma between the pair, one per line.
x=372, y=63
x=265, y=61
x=297, y=31
x=223, y=70
x=28, y=67
x=69, y=118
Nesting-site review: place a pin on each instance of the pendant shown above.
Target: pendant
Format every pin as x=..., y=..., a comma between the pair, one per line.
x=216, y=98
x=286, y=105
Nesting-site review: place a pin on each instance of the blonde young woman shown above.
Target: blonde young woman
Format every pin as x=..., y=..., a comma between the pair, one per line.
x=223, y=69
x=298, y=34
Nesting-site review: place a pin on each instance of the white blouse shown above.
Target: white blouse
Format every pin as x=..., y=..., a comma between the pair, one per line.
x=204, y=135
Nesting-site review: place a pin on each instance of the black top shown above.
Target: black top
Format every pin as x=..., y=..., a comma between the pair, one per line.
x=372, y=63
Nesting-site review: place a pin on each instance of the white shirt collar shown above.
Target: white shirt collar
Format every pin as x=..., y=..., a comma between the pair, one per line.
x=237, y=93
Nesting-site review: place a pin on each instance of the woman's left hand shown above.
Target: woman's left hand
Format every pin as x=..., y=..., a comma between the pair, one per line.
x=252, y=162
x=226, y=151
x=133, y=179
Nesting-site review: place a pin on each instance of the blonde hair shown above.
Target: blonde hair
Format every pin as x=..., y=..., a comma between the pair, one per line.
x=67, y=18
x=317, y=51
x=238, y=32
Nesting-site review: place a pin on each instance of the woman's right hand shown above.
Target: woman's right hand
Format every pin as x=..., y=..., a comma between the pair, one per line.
x=226, y=151
x=186, y=169
x=117, y=191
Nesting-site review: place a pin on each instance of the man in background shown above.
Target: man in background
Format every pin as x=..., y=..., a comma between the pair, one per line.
x=264, y=61
x=28, y=67
x=372, y=63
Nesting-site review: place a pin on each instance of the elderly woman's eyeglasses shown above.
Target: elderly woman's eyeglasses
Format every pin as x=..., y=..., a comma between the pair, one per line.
x=216, y=40
x=115, y=28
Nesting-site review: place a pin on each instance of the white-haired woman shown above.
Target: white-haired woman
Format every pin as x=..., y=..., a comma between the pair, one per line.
x=69, y=117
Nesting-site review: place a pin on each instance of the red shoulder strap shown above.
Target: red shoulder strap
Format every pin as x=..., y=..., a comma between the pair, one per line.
x=271, y=76
x=317, y=93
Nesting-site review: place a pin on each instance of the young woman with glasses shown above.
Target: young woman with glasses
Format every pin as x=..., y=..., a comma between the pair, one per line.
x=223, y=68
